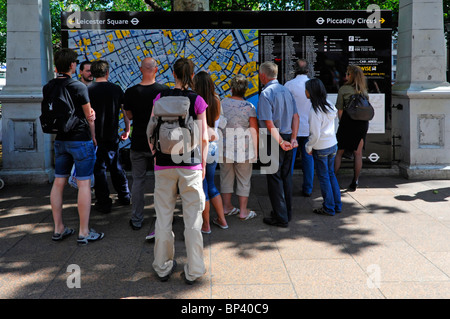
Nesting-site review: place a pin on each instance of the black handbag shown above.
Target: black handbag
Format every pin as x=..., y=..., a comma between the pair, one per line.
x=359, y=108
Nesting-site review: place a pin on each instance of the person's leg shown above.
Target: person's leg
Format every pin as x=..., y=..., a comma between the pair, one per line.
x=322, y=165
x=193, y=199
x=118, y=176
x=63, y=165
x=286, y=176
x=165, y=199
x=338, y=160
x=138, y=172
x=227, y=177
x=307, y=167
x=275, y=188
x=84, y=205
x=56, y=202
x=103, y=201
x=214, y=194
x=357, y=165
x=84, y=157
x=243, y=185
x=334, y=184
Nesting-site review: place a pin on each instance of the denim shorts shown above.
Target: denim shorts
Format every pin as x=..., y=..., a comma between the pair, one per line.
x=80, y=153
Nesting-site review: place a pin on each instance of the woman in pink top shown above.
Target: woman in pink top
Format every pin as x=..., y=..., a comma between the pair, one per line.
x=187, y=178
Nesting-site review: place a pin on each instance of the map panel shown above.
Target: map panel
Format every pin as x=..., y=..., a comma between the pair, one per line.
x=222, y=53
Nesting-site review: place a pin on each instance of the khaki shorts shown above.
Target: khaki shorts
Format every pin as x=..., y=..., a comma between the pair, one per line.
x=241, y=172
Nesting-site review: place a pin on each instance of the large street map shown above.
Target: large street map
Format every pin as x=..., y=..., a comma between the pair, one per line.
x=222, y=53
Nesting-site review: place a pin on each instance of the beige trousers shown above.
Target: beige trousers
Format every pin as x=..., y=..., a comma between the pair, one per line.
x=190, y=185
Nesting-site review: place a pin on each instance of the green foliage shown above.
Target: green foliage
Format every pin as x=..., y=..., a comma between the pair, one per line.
x=57, y=6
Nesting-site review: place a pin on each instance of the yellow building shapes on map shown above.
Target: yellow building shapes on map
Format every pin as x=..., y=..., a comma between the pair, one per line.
x=227, y=42
x=215, y=67
x=249, y=68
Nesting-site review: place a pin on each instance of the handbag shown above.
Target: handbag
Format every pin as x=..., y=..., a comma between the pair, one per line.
x=359, y=108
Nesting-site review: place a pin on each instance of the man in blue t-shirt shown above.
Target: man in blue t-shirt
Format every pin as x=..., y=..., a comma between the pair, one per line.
x=277, y=112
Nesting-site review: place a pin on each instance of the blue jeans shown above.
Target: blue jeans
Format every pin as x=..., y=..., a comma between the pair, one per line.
x=331, y=193
x=209, y=187
x=80, y=153
x=307, y=164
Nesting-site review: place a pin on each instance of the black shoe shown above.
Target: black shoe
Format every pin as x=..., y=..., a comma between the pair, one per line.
x=321, y=211
x=166, y=277
x=126, y=201
x=305, y=194
x=273, y=222
x=103, y=208
x=134, y=227
x=187, y=281
x=352, y=187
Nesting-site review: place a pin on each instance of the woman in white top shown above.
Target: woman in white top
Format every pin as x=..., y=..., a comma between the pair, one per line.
x=322, y=145
x=240, y=144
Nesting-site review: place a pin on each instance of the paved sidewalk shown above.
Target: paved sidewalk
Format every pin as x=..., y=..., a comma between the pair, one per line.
x=392, y=240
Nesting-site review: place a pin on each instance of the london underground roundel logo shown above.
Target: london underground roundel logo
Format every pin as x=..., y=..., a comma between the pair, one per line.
x=320, y=20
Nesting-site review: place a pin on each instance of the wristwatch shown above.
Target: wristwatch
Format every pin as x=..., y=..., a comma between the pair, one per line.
x=282, y=141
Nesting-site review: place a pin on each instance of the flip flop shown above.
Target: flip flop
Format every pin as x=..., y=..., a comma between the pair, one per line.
x=250, y=215
x=232, y=212
x=215, y=222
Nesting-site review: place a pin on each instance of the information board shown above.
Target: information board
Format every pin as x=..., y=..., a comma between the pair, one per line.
x=228, y=43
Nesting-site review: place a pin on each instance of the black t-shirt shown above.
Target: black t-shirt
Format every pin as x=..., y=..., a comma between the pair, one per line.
x=79, y=93
x=139, y=100
x=106, y=100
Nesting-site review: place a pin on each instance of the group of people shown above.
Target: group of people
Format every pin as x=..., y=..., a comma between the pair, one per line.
x=287, y=117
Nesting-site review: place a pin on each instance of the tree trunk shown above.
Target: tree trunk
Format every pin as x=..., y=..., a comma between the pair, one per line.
x=190, y=5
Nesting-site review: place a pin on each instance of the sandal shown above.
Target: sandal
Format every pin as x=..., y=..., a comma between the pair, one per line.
x=250, y=215
x=215, y=222
x=232, y=212
x=66, y=233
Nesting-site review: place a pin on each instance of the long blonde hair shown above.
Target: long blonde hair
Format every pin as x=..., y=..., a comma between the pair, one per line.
x=357, y=79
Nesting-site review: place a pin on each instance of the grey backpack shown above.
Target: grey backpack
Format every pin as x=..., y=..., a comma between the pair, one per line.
x=171, y=129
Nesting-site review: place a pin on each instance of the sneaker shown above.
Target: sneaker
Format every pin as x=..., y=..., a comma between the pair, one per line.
x=150, y=236
x=66, y=233
x=321, y=211
x=92, y=236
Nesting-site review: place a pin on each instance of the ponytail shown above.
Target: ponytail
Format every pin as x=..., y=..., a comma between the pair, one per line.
x=183, y=69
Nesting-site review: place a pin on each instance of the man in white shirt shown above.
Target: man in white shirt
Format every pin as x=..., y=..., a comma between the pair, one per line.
x=297, y=87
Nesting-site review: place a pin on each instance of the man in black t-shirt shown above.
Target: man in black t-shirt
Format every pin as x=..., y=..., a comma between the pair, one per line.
x=107, y=101
x=75, y=147
x=138, y=106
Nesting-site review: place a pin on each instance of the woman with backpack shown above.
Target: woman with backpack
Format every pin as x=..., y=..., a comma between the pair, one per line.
x=351, y=134
x=186, y=177
x=322, y=144
x=204, y=86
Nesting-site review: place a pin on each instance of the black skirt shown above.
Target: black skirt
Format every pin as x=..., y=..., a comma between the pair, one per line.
x=350, y=133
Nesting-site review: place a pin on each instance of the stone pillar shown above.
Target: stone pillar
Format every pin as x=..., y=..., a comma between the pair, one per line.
x=27, y=152
x=421, y=95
